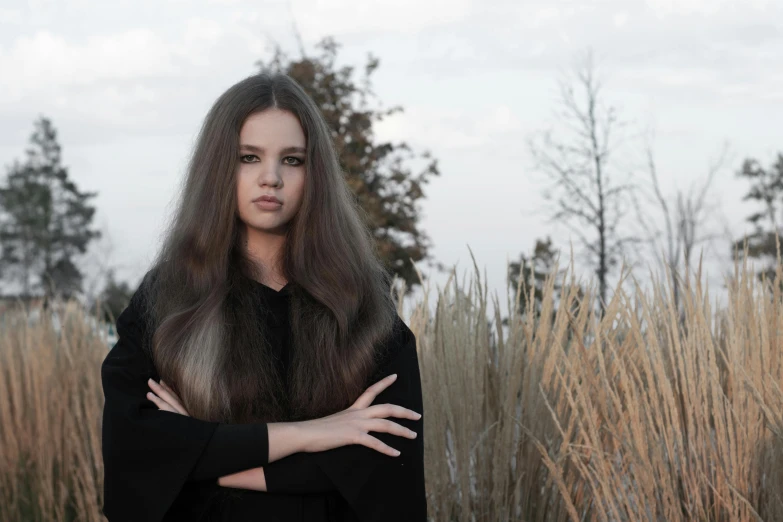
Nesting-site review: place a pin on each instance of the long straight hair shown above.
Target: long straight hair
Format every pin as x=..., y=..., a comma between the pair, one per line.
x=208, y=338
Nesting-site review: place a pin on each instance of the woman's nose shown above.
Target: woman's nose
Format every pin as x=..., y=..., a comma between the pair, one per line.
x=269, y=175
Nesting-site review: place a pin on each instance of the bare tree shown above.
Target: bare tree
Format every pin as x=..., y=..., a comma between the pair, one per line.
x=687, y=223
x=582, y=164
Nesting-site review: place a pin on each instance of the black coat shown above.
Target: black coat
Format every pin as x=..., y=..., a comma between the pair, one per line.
x=162, y=466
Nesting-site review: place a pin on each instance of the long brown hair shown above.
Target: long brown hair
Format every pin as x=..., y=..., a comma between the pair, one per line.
x=209, y=341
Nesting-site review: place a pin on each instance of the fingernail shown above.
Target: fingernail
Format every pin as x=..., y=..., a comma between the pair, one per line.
x=393, y=376
x=149, y=395
x=418, y=415
x=396, y=452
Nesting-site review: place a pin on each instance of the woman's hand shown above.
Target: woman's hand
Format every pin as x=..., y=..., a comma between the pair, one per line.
x=351, y=426
x=165, y=398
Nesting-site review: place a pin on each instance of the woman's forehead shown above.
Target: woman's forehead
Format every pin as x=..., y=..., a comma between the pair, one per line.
x=272, y=130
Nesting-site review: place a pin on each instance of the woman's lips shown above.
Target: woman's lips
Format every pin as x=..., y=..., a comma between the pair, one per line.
x=265, y=204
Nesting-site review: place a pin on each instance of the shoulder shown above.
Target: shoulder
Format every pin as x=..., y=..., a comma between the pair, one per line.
x=400, y=344
x=402, y=332
x=137, y=316
x=140, y=298
x=401, y=335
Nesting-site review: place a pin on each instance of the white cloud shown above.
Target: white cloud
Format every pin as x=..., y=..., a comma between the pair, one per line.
x=122, y=80
x=500, y=119
x=544, y=15
x=450, y=128
x=442, y=128
x=11, y=16
x=347, y=17
x=43, y=60
x=710, y=7
x=620, y=19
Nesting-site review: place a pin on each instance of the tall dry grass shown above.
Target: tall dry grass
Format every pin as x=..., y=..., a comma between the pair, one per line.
x=50, y=417
x=633, y=416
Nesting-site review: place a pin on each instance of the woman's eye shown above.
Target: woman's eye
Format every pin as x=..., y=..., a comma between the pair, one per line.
x=242, y=158
x=298, y=161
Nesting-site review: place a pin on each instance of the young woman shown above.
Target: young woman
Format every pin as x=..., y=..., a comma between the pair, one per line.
x=261, y=360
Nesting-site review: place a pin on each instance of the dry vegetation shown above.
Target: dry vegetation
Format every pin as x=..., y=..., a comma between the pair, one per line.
x=50, y=419
x=634, y=417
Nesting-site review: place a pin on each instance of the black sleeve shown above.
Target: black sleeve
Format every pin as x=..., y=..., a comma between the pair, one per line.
x=230, y=449
x=297, y=473
x=148, y=454
x=378, y=487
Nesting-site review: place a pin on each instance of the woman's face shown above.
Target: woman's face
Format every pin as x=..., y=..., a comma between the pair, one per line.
x=271, y=162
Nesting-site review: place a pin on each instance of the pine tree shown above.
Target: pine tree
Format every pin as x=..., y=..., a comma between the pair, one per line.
x=44, y=219
x=542, y=264
x=766, y=189
x=114, y=297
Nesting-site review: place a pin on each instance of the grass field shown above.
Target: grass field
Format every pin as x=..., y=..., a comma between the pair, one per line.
x=637, y=416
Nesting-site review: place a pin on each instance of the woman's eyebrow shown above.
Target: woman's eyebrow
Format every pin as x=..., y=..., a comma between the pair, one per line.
x=260, y=150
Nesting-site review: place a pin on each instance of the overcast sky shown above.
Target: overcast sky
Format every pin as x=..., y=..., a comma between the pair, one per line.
x=127, y=84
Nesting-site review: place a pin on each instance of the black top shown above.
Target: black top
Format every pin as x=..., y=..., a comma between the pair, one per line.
x=162, y=466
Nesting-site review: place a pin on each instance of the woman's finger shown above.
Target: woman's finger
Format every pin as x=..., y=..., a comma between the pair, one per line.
x=373, y=443
x=391, y=410
x=393, y=428
x=160, y=403
x=161, y=392
x=173, y=395
x=366, y=398
x=167, y=396
x=176, y=399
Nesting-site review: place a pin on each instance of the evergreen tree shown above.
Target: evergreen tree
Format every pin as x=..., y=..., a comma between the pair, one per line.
x=542, y=264
x=767, y=190
x=44, y=219
x=114, y=297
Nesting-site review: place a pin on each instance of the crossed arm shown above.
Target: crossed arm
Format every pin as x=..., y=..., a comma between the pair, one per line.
x=295, y=472
x=287, y=466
